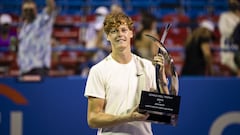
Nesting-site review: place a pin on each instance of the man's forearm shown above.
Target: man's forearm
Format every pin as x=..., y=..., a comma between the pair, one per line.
x=163, y=81
x=101, y=120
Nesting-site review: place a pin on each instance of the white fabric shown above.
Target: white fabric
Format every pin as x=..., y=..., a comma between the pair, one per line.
x=117, y=84
x=227, y=22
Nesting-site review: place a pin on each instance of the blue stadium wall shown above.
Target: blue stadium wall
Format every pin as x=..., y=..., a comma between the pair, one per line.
x=56, y=106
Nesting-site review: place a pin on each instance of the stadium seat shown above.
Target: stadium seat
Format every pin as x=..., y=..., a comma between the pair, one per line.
x=66, y=35
x=68, y=20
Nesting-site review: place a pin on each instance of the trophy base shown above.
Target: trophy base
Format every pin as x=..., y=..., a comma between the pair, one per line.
x=163, y=109
x=168, y=119
x=160, y=118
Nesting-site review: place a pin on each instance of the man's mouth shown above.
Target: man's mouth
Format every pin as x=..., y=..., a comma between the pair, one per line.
x=120, y=40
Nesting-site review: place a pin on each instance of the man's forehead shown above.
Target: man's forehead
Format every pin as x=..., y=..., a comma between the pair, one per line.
x=124, y=25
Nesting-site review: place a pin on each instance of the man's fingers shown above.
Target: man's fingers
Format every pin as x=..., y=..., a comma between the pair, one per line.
x=139, y=116
x=158, y=59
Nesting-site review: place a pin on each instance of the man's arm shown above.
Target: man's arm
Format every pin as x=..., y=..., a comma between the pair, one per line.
x=98, y=119
x=50, y=6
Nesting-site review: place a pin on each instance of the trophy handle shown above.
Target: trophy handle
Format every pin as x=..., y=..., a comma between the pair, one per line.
x=157, y=68
x=162, y=50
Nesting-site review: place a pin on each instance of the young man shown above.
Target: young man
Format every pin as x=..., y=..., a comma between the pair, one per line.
x=114, y=84
x=34, y=53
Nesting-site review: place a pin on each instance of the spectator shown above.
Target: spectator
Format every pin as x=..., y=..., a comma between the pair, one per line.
x=8, y=42
x=95, y=38
x=34, y=53
x=143, y=45
x=198, y=57
x=8, y=38
x=236, y=41
x=94, y=34
x=227, y=22
x=116, y=8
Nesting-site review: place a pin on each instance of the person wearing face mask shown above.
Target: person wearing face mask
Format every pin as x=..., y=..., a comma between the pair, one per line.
x=95, y=38
x=34, y=50
x=94, y=33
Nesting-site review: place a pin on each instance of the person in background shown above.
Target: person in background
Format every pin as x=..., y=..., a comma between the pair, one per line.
x=8, y=43
x=96, y=39
x=34, y=53
x=236, y=41
x=8, y=38
x=143, y=45
x=94, y=33
x=227, y=22
x=114, y=84
x=198, y=56
x=116, y=8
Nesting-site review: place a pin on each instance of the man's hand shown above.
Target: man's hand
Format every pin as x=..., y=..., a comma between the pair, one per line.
x=134, y=115
x=158, y=59
x=51, y=6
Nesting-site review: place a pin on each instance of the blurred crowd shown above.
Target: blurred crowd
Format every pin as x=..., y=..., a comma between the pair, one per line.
x=50, y=44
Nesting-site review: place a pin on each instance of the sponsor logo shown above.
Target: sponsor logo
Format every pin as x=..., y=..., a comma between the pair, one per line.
x=16, y=116
x=224, y=121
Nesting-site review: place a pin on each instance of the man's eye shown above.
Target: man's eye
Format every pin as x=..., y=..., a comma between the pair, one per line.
x=113, y=31
x=124, y=30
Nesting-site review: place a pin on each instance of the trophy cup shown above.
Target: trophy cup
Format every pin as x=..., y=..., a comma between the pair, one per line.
x=163, y=108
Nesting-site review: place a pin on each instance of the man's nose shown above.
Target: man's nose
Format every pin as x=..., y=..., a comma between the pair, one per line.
x=120, y=32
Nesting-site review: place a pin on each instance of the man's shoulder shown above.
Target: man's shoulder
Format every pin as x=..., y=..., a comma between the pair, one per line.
x=103, y=63
x=143, y=60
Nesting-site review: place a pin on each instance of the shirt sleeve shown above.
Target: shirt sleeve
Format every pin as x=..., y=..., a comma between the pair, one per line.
x=95, y=84
x=45, y=18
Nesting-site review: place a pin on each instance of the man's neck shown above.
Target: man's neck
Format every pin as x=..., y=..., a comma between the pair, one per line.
x=122, y=58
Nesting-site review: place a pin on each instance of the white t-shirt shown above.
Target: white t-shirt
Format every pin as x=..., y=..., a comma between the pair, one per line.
x=117, y=84
x=227, y=23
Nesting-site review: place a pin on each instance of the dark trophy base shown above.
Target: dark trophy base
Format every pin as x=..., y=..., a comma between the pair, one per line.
x=163, y=109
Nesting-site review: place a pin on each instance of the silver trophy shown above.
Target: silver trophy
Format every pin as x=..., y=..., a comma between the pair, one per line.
x=162, y=107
